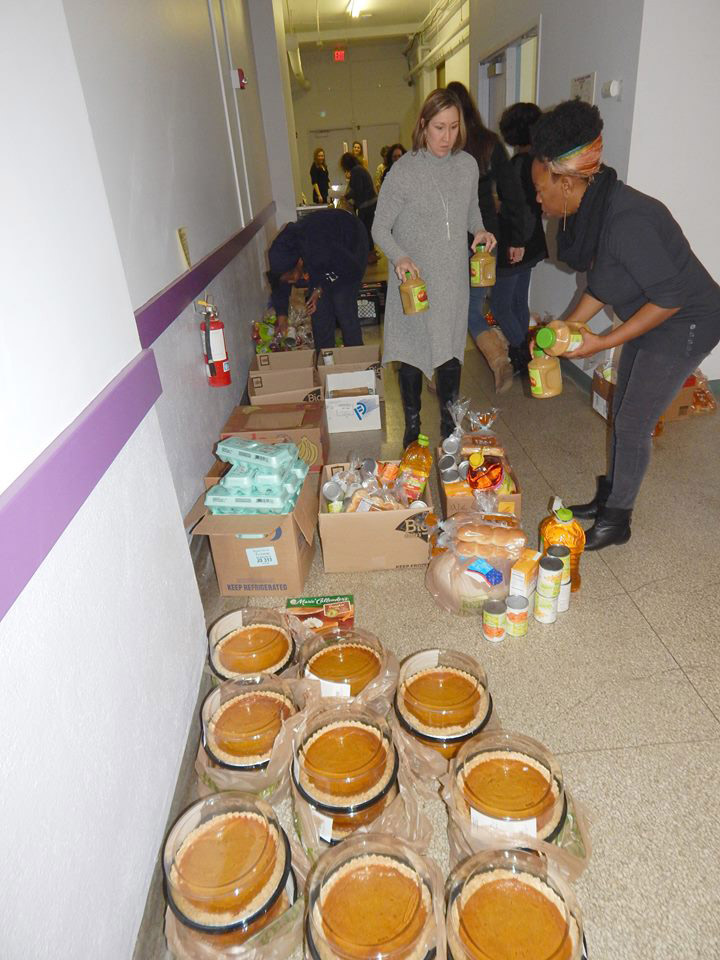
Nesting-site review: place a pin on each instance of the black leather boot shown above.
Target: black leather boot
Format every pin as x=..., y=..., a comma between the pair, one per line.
x=447, y=378
x=519, y=358
x=612, y=526
x=588, y=511
x=411, y=392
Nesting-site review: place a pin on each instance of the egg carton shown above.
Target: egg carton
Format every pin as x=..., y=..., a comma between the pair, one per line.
x=252, y=453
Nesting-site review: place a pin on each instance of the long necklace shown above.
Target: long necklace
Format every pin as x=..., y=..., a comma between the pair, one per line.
x=445, y=203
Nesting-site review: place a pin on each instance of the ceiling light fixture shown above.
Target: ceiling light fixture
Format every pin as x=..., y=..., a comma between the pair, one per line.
x=355, y=7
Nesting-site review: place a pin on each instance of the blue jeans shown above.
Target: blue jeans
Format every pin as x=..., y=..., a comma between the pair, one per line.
x=337, y=305
x=509, y=302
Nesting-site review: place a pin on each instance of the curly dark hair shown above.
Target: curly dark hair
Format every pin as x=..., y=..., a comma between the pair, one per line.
x=516, y=121
x=568, y=125
x=348, y=161
x=480, y=142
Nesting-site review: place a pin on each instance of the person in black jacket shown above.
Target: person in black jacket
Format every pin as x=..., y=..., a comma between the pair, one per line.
x=497, y=178
x=361, y=195
x=515, y=125
x=327, y=251
x=320, y=177
x=638, y=261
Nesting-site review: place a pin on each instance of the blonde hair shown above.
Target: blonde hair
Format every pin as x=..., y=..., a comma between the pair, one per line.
x=435, y=102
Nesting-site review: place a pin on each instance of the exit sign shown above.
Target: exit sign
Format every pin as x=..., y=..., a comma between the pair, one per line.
x=339, y=56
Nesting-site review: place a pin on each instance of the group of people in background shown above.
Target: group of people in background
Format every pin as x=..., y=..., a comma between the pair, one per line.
x=456, y=188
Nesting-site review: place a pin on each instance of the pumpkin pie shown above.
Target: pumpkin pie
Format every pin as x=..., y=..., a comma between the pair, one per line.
x=346, y=763
x=232, y=938
x=254, y=648
x=227, y=869
x=242, y=731
x=503, y=915
x=345, y=662
x=442, y=701
x=373, y=906
x=509, y=785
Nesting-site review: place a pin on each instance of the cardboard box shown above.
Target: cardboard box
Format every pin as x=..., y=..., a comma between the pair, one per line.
x=264, y=556
x=352, y=360
x=377, y=540
x=284, y=360
x=524, y=573
x=346, y=414
x=602, y=400
x=292, y=385
x=507, y=502
x=300, y=423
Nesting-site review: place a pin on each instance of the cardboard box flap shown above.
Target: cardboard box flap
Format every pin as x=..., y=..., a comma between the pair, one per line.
x=274, y=421
x=306, y=508
x=195, y=514
x=346, y=381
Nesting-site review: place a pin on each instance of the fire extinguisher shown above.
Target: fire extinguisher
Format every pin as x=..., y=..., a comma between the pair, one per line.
x=217, y=364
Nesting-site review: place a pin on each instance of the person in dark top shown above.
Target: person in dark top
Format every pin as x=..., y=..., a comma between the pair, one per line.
x=327, y=251
x=320, y=177
x=392, y=156
x=361, y=194
x=515, y=125
x=639, y=262
x=497, y=176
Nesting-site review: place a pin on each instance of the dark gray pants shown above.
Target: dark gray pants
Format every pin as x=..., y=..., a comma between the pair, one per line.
x=646, y=384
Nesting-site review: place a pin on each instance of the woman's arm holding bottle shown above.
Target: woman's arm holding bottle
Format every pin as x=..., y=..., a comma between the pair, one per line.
x=646, y=318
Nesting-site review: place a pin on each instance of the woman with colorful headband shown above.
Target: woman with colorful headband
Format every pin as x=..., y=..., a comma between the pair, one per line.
x=639, y=262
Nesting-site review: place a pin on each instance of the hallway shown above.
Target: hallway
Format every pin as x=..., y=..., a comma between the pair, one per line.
x=624, y=688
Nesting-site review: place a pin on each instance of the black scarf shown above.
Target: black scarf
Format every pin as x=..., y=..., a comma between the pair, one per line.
x=577, y=243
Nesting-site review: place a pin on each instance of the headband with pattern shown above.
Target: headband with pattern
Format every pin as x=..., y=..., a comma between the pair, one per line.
x=583, y=161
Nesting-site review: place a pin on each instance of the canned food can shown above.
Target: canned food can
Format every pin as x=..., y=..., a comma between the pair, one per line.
x=451, y=444
x=336, y=506
x=368, y=467
x=564, y=596
x=328, y=358
x=450, y=476
x=447, y=462
x=493, y=620
x=517, y=616
x=545, y=608
x=550, y=574
x=332, y=490
x=561, y=552
x=463, y=468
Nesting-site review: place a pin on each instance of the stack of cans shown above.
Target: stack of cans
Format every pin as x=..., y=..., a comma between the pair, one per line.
x=547, y=592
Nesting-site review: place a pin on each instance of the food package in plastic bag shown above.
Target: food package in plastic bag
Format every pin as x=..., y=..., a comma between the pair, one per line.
x=351, y=665
x=553, y=823
x=480, y=550
x=703, y=397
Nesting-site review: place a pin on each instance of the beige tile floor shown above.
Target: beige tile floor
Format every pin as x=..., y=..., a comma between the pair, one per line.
x=624, y=688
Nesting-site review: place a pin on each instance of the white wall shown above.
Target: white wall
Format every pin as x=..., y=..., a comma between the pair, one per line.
x=67, y=321
x=676, y=136
x=369, y=88
x=101, y=661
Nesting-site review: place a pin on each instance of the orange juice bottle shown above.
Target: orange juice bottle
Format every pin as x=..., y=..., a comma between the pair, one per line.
x=561, y=528
x=413, y=295
x=482, y=268
x=485, y=473
x=415, y=467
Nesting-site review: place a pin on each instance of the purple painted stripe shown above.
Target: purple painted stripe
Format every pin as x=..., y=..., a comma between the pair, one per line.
x=39, y=505
x=157, y=314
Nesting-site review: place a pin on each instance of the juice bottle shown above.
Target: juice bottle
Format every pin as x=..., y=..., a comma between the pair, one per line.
x=413, y=294
x=558, y=338
x=485, y=473
x=561, y=528
x=545, y=375
x=482, y=268
x=415, y=467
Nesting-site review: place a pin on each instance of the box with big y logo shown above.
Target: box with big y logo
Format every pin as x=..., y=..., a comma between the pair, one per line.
x=375, y=539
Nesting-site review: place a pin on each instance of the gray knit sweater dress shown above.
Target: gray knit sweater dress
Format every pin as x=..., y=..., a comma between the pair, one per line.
x=411, y=221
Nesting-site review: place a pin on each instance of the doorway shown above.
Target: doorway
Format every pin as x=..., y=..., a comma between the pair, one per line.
x=507, y=76
x=332, y=142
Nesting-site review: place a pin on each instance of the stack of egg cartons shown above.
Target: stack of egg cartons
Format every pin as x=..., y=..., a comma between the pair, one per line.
x=263, y=478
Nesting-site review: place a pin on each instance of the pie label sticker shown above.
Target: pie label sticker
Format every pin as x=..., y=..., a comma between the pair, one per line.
x=261, y=556
x=324, y=825
x=525, y=828
x=329, y=688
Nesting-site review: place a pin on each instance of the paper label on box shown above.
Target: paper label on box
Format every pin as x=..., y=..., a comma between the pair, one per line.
x=600, y=404
x=328, y=688
x=525, y=828
x=324, y=825
x=261, y=556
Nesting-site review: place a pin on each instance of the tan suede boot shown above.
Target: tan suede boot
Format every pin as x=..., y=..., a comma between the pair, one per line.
x=493, y=346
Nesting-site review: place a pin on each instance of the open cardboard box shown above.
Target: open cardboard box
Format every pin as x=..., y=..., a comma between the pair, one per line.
x=603, y=392
x=352, y=360
x=283, y=360
x=375, y=540
x=507, y=502
x=357, y=407
x=267, y=555
x=292, y=385
x=299, y=423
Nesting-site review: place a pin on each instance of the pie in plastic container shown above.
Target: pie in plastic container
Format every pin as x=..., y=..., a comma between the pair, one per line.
x=250, y=641
x=348, y=657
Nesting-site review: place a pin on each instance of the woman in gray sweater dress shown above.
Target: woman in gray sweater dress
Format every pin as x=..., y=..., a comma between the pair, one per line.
x=427, y=206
